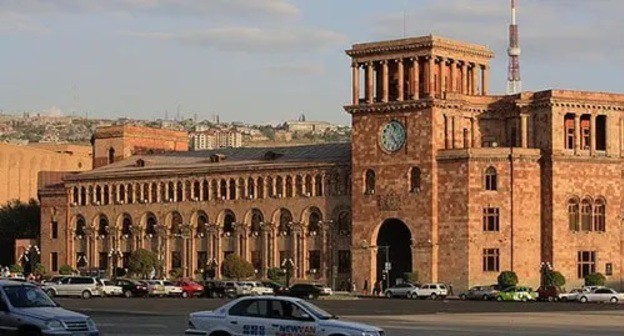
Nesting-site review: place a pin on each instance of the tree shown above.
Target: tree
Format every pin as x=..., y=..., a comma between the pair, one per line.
x=507, y=279
x=237, y=268
x=17, y=220
x=66, y=270
x=595, y=279
x=275, y=274
x=15, y=268
x=556, y=278
x=142, y=262
x=39, y=270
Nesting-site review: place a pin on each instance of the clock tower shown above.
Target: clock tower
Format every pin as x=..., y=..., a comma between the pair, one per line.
x=406, y=113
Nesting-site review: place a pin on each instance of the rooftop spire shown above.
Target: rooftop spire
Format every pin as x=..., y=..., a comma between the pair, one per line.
x=514, y=84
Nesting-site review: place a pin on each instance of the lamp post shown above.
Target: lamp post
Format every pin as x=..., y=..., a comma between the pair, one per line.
x=288, y=264
x=114, y=254
x=213, y=263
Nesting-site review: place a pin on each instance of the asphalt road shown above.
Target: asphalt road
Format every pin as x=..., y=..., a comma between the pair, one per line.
x=154, y=317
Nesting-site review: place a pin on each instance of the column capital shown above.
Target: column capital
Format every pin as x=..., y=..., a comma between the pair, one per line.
x=355, y=64
x=399, y=60
x=383, y=62
x=484, y=66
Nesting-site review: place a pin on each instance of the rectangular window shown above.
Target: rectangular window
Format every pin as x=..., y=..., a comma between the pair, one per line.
x=54, y=230
x=315, y=260
x=586, y=263
x=609, y=269
x=176, y=260
x=491, y=260
x=491, y=219
x=344, y=261
x=54, y=261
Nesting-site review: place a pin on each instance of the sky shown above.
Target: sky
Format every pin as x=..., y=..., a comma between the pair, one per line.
x=263, y=61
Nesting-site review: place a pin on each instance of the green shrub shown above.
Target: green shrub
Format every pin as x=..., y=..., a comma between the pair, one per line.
x=507, y=279
x=557, y=279
x=15, y=268
x=237, y=268
x=411, y=276
x=143, y=262
x=595, y=279
x=66, y=270
x=275, y=274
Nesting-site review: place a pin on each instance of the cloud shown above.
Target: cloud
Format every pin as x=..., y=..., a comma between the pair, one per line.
x=206, y=8
x=253, y=39
x=550, y=29
x=303, y=69
x=12, y=23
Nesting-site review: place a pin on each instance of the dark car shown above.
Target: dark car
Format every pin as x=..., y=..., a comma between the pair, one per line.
x=217, y=289
x=132, y=288
x=308, y=291
x=278, y=288
x=549, y=293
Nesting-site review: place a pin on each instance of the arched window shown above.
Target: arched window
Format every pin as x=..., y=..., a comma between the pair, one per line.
x=205, y=191
x=318, y=185
x=232, y=189
x=573, y=215
x=251, y=188
x=98, y=195
x=298, y=186
x=599, y=215
x=270, y=186
x=369, y=182
x=289, y=186
x=214, y=186
x=229, y=220
x=179, y=192
x=150, y=227
x=103, y=226
x=81, y=227
x=83, y=196
x=313, y=221
x=202, y=222
x=197, y=190
x=176, y=224
x=242, y=191
x=285, y=221
x=256, y=219
x=586, y=215
x=154, y=193
x=308, y=185
x=171, y=193
x=122, y=194
x=491, y=179
x=163, y=192
x=223, y=189
x=75, y=195
x=260, y=188
x=344, y=223
x=111, y=155
x=279, y=186
x=415, y=180
x=189, y=192
x=106, y=196
x=126, y=226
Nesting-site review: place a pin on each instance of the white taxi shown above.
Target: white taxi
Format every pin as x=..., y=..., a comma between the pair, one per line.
x=273, y=316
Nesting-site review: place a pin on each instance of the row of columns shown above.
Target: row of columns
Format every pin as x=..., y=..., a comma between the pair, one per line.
x=214, y=239
x=463, y=77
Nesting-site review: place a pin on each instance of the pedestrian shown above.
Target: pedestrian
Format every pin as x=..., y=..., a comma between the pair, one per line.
x=379, y=288
x=365, y=289
x=450, y=289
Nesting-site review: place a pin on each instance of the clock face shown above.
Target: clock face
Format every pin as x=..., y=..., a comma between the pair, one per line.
x=392, y=136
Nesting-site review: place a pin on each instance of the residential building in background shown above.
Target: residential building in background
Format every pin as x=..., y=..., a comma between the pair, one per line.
x=211, y=139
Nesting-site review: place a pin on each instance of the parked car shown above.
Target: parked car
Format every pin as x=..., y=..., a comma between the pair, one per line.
x=155, y=288
x=54, y=279
x=132, y=287
x=278, y=288
x=517, y=293
x=276, y=315
x=603, y=294
x=170, y=288
x=84, y=287
x=549, y=293
x=479, y=293
x=400, y=290
x=238, y=287
x=110, y=289
x=190, y=288
x=307, y=290
x=26, y=307
x=257, y=288
x=573, y=295
x=432, y=291
x=217, y=289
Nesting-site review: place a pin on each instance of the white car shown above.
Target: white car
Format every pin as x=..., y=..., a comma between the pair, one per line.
x=573, y=295
x=603, y=294
x=257, y=288
x=109, y=288
x=273, y=315
x=170, y=288
x=325, y=290
x=432, y=290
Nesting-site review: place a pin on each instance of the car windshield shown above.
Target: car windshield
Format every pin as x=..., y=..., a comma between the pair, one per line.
x=168, y=283
x=27, y=297
x=316, y=311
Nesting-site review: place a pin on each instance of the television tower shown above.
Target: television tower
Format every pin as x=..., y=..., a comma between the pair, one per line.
x=514, y=84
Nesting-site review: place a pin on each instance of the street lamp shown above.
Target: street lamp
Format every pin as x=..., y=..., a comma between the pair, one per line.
x=114, y=254
x=288, y=264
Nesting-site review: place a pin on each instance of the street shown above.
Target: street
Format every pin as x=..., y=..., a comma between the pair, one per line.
x=154, y=317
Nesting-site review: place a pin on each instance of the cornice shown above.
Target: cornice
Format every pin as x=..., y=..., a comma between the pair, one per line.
x=473, y=50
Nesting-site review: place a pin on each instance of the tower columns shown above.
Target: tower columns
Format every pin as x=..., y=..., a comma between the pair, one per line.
x=430, y=78
x=464, y=78
x=592, y=137
x=369, y=82
x=442, y=74
x=524, y=138
x=474, y=80
x=355, y=69
x=484, y=80
x=401, y=80
x=453, y=75
x=577, y=133
x=384, y=82
x=415, y=80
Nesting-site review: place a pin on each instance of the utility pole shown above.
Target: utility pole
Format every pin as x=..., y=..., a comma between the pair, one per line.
x=514, y=84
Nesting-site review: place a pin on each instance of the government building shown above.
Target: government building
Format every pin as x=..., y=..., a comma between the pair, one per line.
x=441, y=179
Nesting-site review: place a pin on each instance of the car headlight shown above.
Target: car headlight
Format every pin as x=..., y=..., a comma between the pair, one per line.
x=91, y=324
x=55, y=325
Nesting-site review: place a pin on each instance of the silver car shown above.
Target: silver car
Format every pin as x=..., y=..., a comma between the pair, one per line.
x=603, y=294
x=400, y=290
x=26, y=310
x=84, y=287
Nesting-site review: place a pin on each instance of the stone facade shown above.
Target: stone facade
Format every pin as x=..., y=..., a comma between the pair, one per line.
x=440, y=178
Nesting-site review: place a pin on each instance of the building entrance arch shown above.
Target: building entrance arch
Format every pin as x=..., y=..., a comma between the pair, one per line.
x=394, y=247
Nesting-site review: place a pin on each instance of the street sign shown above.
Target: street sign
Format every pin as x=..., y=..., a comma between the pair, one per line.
x=388, y=266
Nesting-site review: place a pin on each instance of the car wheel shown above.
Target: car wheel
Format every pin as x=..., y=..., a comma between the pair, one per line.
x=614, y=300
x=128, y=294
x=185, y=294
x=29, y=332
x=434, y=296
x=564, y=299
x=551, y=299
x=499, y=298
x=486, y=298
x=214, y=295
x=410, y=295
x=51, y=293
x=463, y=297
x=311, y=296
x=389, y=295
x=524, y=299
x=86, y=295
x=583, y=299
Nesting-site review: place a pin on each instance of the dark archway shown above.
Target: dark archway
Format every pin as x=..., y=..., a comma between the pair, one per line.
x=394, y=241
